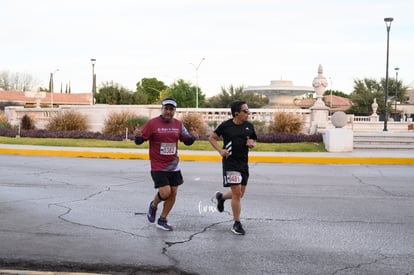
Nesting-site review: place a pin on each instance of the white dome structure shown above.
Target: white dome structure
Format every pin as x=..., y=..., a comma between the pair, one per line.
x=281, y=93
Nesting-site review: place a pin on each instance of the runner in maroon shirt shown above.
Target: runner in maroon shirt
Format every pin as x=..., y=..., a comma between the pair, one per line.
x=163, y=134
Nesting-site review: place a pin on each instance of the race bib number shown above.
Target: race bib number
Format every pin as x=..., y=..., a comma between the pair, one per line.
x=233, y=177
x=168, y=149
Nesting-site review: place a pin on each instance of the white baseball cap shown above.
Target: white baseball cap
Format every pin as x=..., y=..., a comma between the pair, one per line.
x=169, y=101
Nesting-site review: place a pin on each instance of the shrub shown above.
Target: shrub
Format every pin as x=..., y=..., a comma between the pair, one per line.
x=133, y=122
x=27, y=123
x=68, y=134
x=116, y=123
x=212, y=124
x=286, y=123
x=68, y=121
x=266, y=138
x=193, y=121
x=4, y=124
x=8, y=132
x=42, y=133
x=288, y=138
x=259, y=126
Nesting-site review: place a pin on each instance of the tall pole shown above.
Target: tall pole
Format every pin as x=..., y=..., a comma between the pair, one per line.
x=196, y=69
x=331, y=95
x=51, y=88
x=387, y=21
x=396, y=89
x=93, y=61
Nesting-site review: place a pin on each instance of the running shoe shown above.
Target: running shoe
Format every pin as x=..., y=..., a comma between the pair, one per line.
x=151, y=213
x=162, y=223
x=220, y=201
x=238, y=228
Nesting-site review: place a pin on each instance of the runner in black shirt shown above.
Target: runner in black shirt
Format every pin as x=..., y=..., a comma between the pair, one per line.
x=238, y=136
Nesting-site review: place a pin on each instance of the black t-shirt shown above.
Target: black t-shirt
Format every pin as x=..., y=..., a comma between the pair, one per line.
x=234, y=140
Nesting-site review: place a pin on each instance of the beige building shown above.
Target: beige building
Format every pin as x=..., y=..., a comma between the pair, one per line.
x=407, y=106
x=410, y=96
x=43, y=99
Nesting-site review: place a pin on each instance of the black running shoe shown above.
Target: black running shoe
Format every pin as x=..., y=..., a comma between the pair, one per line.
x=238, y=229
x=220, y=201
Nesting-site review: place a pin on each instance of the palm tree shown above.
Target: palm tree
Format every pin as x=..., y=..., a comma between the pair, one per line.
x=231, y=93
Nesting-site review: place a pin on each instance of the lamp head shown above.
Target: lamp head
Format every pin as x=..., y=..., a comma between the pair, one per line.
x=396, y=69
x=93, y=60
x=388, y=21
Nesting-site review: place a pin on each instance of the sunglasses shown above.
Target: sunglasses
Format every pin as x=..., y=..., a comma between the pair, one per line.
x=245, y=111
x=169, y=108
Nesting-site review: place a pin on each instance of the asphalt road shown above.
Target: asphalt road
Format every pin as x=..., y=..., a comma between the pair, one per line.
x=88, y=215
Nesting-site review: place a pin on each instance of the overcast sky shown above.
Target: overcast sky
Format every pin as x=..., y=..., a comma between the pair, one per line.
x=244, y=42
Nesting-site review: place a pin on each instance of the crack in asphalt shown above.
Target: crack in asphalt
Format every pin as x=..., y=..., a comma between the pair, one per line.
x=169, y=244
x=360, y=180
x=190, y=238
x=69, y=209
x=171, y=269
x=108, y=189
x=375, y=261
x=359, y=265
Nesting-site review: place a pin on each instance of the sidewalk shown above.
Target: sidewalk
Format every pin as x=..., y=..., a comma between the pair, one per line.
x=358, y=156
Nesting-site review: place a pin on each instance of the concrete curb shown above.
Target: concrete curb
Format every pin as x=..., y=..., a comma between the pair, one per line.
x=31, y=272
x=317, y=158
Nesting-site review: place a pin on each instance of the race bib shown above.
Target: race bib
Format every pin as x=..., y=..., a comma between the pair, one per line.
x=168, y=148
x=233, y=177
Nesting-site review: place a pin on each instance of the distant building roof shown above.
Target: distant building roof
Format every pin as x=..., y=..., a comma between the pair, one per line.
x=29, y=98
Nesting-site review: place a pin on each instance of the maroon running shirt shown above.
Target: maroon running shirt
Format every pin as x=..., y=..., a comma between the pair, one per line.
x=163, y=139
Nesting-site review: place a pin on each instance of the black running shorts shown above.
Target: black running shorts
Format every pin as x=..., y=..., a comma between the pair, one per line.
x=163, y=178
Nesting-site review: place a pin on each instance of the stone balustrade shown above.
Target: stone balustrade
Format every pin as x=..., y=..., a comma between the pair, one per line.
x=98, y=113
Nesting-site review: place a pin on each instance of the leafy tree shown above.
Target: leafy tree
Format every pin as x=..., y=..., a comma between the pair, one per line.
x=255, y=100
x=16, y=81
x=392, y=89
x=185, y=94
x=232, y=93
x=363, y=96
x=337, y=93
x=27, y=123
x=226, y=97
x=149, y=91
x=367, y=89
x=140, y=98
x=113, y=93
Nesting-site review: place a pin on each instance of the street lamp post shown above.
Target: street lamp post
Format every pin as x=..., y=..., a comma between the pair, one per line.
x=93, y=61
x=387, y=21
x=396, y=90
x=51, y=88
x=330, y=110
x=196, y=69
